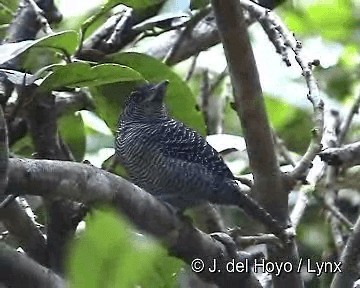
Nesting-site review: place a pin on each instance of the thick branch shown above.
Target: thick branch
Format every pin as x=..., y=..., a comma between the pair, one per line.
x=349, y=155
x=15, y=219
x=251, y=110
x=249, y=102
x=25, y=231
x=350, y=260
x=90, y=185
x=63, y=215
x=17, y=271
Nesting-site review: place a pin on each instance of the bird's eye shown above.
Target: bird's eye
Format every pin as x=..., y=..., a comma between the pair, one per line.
x=136, y=96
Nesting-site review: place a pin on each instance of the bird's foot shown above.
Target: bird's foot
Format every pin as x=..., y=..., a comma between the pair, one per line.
x=288, y=234
x=228, y=243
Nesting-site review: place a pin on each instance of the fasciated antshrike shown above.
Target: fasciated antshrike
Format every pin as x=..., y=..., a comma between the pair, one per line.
x=175, y=163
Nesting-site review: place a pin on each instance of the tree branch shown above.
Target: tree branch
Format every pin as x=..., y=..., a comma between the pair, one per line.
x=348, y=155
x=25, y=231
x=63, y=215
x=350, y=260
x=18, y=270
x=90, y=185
x=248, y=96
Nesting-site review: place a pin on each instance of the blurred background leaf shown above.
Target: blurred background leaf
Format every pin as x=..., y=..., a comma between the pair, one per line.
x=72, y=131
x=110, y=254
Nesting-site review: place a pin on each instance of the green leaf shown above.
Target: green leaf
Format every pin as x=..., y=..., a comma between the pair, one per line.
x=110, y=98
x=96, y=255
x=333, y=26
x=108, y=254
x=180, y=100
x=9, y=4
x=72, y=131
x=66, y=41
x=23, y=147
x=198, y=4
x=81, y=74
x=319, y=17
x=117, y=169
x=6, y=13
x=292, y=124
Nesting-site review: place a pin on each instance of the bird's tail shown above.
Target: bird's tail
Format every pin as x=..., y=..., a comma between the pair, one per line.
x=256, y=211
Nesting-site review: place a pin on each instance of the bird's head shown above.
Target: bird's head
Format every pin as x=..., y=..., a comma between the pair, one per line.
x=147, y=101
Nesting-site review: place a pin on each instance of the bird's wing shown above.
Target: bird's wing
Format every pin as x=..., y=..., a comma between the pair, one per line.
x=181, y=142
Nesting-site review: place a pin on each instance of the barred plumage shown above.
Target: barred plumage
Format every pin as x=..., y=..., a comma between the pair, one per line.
x=172, y=161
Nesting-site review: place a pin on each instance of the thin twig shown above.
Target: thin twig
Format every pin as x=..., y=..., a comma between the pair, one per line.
x=331, y=140
x=302, y=198
x=186, y=32
x=335, y=212
x=337, y=235
x=205, y=97
x=191, y=71
x=283, y=40
x=7, y=201
x=261, y=14
x=346, y=123
x=218, y=80
x=283, y=151
x=242, y=240
x=301, y=203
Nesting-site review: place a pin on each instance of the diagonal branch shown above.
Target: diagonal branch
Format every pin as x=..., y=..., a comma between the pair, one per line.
x=12, y=215
x=18, y=270
x=250, y=104
x=90, y=185
x=350, y=261
x=348, y=155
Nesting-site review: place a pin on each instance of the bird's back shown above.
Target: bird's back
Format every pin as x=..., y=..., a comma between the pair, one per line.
x=171, y=161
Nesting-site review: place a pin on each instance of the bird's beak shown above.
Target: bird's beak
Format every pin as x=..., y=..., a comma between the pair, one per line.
x=162, y=85
x=159, y=91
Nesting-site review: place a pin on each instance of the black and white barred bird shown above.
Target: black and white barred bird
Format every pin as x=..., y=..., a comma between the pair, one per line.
x=172, y=161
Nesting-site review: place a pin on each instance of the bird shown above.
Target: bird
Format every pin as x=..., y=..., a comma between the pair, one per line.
x=175, y=163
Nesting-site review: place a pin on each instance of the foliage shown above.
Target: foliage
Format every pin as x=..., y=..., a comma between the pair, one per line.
x=119, y=257
x=49, y=64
